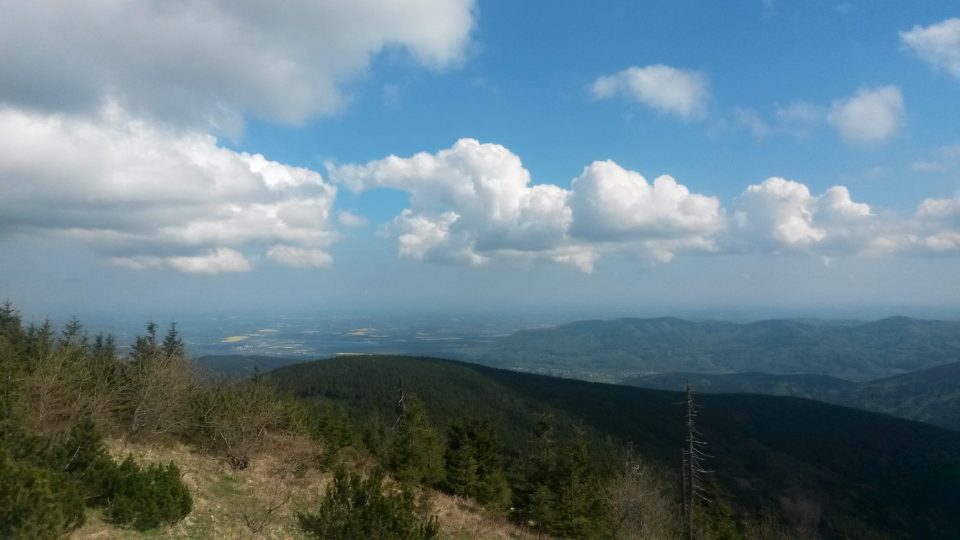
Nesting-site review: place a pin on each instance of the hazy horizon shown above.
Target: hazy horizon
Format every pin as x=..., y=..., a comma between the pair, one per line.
x=437, y=333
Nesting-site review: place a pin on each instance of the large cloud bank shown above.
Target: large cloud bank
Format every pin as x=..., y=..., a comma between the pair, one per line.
x=107, y=109
x=210, y=63
x=149, y=197
x=474, y=203
x=110, y=112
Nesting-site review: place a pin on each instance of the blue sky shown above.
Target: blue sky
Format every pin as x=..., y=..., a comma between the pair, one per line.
x=648, y=157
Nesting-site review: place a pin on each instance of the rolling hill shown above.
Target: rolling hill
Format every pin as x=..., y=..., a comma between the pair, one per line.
x=238, y=366
x=853, y=473
x=613, y=350
x=819, y=387
x=929, y=395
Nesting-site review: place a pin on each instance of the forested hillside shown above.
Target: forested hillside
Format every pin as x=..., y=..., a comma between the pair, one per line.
x=838, y=470
x=929, y=395
x=819, y=387
x=612, y=350
x=240, y=366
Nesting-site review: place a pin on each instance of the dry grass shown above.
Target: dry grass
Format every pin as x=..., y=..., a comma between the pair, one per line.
x=262, y=501
x=462, y=518
x=259, y=502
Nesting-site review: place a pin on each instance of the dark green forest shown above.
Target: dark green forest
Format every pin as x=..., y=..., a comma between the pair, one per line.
x=840, y=471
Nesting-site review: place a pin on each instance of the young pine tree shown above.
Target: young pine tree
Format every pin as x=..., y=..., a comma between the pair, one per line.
x=474, y=463
x=416, y=455
x=461, y=461
x=354, y=507
x=535, y=496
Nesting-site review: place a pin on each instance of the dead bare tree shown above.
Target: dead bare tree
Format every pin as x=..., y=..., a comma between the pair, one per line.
x=52, y=391
x=401, y=407
x=240, y=416
x=63, y=383
x=641, y=501
x=157, y=387
x=259, y=517
x=692, y=486
x=157, y=392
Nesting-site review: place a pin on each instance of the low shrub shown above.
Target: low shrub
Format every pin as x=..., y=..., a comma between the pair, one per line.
x=354, y=507
x=147, y=498
x=36, y=502
x=44, y=486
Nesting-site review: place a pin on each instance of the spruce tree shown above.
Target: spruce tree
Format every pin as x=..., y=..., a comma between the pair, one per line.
x=72, y=335
x=535, y=494
x=10, y=329
x=416, y=455
x=474, y=463
x=492, y=489
x=172, y=344
x=461, y=461
x=145, y=345
x=575, y=490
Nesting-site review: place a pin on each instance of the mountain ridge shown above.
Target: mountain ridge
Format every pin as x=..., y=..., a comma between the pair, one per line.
x=615, y=349
x=930, y=395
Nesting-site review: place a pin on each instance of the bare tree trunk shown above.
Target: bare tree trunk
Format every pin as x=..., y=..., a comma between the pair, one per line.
x=693, y=471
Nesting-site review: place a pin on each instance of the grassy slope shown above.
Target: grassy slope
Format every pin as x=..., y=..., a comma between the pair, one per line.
x=224, y=499
x=627, y=347
x=897, y=475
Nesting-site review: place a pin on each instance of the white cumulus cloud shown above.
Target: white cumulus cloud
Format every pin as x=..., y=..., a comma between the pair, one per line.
x=475, y=202
x=937, y=44
x=611, y=203
x=779, y=210
x=671, y=90
x=934, y=228
x=780, y=215
x=467, y=202
x=871, y=115
x=429, y=238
